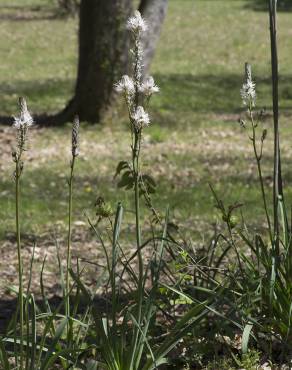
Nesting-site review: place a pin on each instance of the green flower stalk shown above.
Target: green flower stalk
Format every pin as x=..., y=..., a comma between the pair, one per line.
x=22, y=124
x=136, y=93
x=75, y=153
x=248, y=95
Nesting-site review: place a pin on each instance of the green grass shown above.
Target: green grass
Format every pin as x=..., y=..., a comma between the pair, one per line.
x=194, y=138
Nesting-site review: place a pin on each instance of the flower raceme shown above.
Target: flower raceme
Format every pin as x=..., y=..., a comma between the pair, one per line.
x=22, y=123
x=25, y=118
x=135, y=90
x=247, y=92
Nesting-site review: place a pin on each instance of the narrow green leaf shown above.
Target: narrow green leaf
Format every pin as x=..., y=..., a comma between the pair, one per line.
x=120, y=167
x=245, y=337
x=53, y=345
x=81, y=285
x=3, y=356
x=33, y=333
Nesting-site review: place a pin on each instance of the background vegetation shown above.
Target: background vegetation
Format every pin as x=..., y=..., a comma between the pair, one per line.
x=194, y=138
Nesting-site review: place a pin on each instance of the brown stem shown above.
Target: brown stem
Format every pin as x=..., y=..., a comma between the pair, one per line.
x=277, y=176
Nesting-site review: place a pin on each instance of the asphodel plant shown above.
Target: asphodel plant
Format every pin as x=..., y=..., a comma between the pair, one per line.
x=137, y=93
x=266, y=277
x=21, y=124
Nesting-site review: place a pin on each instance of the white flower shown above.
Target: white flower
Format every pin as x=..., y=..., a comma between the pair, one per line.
x=136, y=23
x=140, y=118
x=247, y=92
x=148, y=87
x=25, y=119
x=22, y=123
x=125, y=85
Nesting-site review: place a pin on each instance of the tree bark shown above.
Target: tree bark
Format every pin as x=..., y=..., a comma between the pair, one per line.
x=103, y=54
x=103, y=57
x=154, y=12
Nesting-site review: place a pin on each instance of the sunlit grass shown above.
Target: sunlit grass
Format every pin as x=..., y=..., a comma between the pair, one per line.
x=194, y=138
x=182, y=162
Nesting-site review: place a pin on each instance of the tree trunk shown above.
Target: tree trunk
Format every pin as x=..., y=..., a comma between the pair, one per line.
x=103, y=54
x=154, y=12
x=103, y=57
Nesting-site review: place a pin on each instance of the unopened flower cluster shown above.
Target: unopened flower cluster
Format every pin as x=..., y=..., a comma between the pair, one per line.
x=75, y=137
x=134, y=89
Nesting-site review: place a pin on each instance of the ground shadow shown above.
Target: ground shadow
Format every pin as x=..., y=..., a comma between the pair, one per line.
x=180, y=94
x=48, y=91
x=28, y=13
x=262, y=5
x=47, y=187
x=8, y=307
x=219, y=94
x=35, y=88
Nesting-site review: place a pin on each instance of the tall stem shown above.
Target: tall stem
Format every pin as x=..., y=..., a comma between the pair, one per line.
x=136, y=165
x=136, y=145
x=277, y=176
x=68, y=260
x=136, y=170
x=258, y=159
x=20, y=293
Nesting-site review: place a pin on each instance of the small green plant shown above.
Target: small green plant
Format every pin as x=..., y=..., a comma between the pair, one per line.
x=250, y=360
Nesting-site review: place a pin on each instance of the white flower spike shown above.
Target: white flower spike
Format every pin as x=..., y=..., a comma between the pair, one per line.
x=136, y=24
x=25, y=119
x=247, y=92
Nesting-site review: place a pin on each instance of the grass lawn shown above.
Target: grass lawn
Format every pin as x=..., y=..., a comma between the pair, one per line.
x=194, y=138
